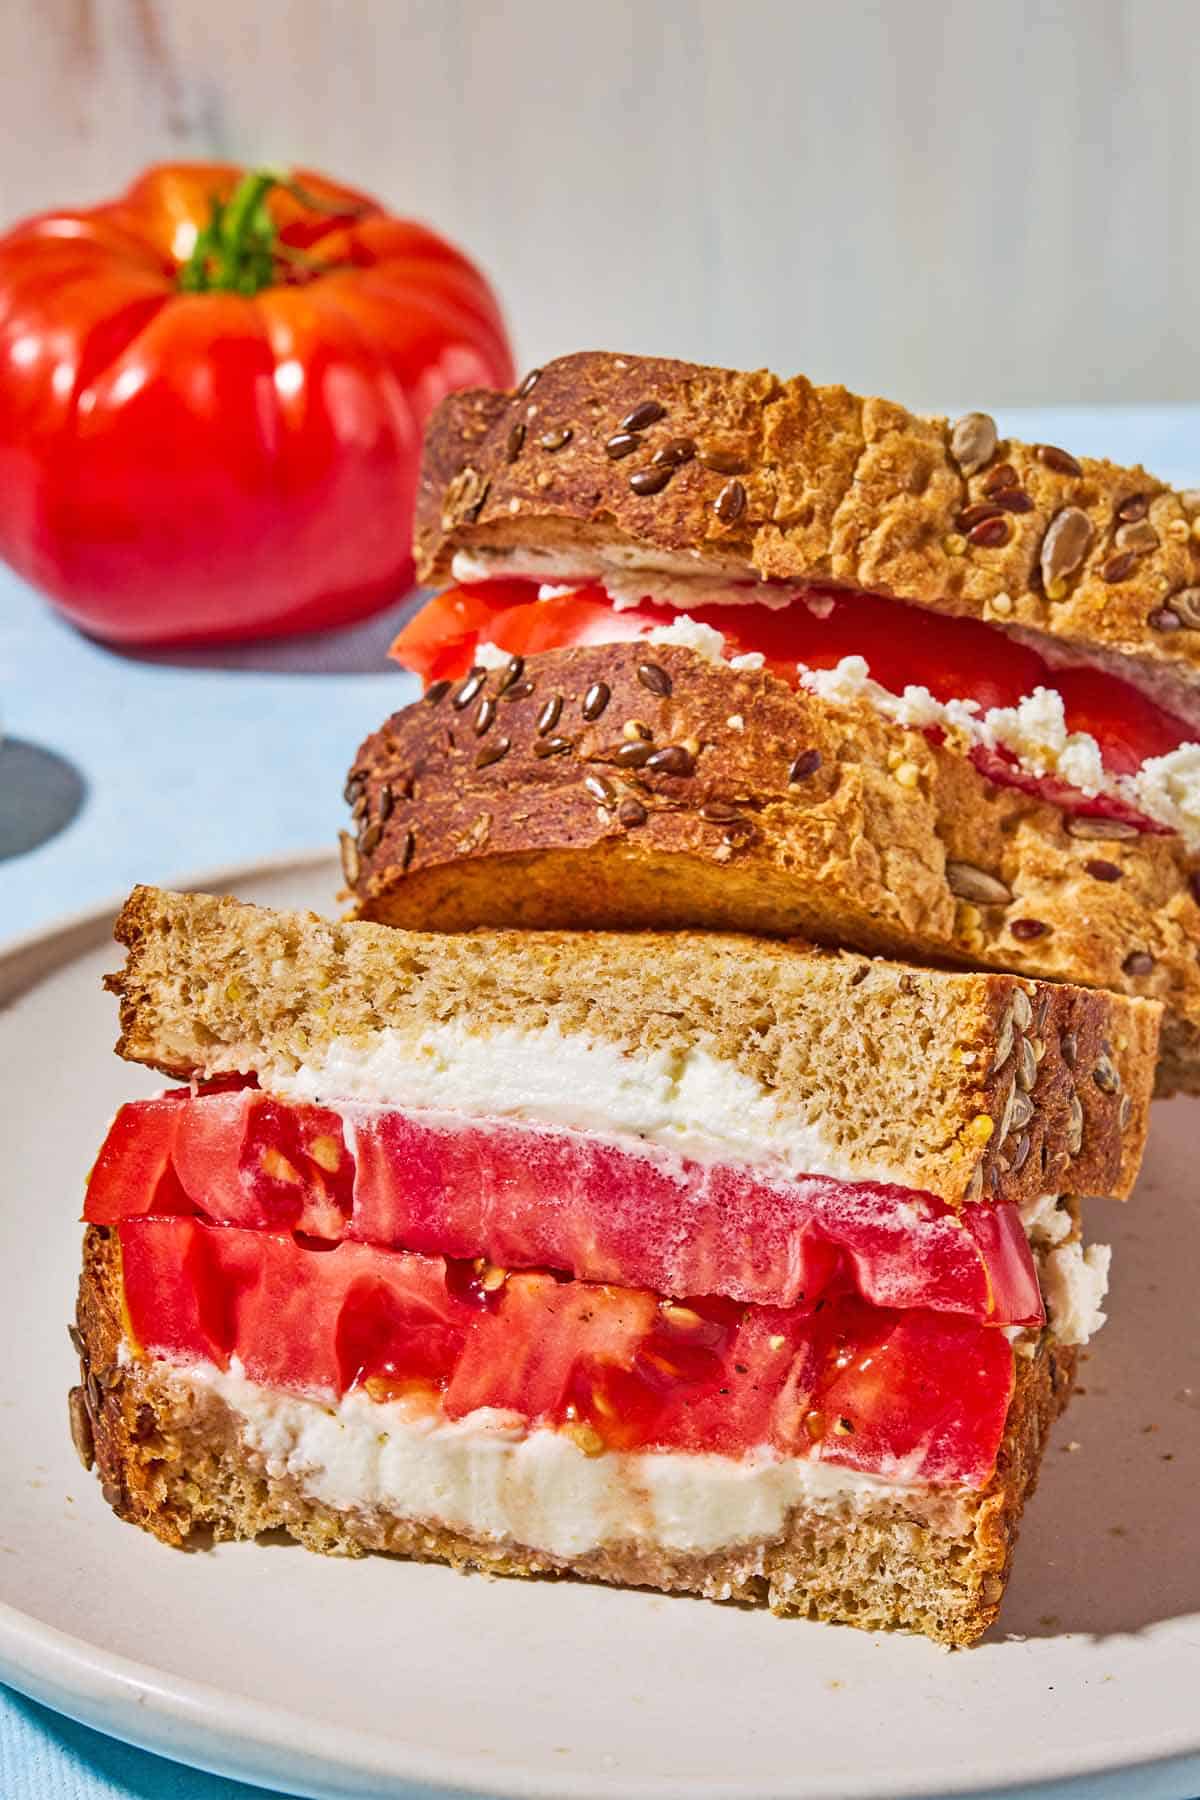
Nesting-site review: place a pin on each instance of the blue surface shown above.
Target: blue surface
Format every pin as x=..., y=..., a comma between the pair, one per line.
x=194, y=763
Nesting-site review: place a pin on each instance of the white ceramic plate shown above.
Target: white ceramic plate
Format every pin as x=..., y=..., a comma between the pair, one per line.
x=353, y=1678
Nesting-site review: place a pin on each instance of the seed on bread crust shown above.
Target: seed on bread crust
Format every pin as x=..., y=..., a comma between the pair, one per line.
x=730, y=503
x=493, y=752
x=1106, y=1077
x=620, y=444
x=1065, y=547
x=600, y=790
x=1080, y=825
x=595, y=700
x=976, y=885
x=973, y=440
x=672, y=759
x=548, y=718
x=1062, y=463
x=81, y=1427
x=351, y=865
x=654, y=678
x=510, y=674
x=648, y=413
x=465, y=693
x=652, y=480
x=802, y=766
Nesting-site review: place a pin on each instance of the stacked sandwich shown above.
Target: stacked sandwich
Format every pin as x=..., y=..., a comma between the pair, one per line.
x=678, y=1256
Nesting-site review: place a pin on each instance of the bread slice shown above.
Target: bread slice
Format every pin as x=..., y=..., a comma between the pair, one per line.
x=919, y=1068
x=793, y=482
x=789, y=816
x=176, y=1463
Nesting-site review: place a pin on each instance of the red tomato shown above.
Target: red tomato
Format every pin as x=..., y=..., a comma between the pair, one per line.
x=225, y=444
x=538, y=1198
x=918, y=1394
x=903, y=645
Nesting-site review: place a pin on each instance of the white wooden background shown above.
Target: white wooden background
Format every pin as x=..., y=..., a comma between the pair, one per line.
x=950, y=201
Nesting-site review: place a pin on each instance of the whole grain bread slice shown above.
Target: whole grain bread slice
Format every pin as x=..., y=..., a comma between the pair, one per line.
x=654, y=463
x=177, y=1465
x=971, y=1084
x=770, y=811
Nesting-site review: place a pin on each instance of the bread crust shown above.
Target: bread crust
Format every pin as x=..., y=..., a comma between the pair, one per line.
x=965, y=1084
x=830, y=488
x=865, y=848
x=181, y=1472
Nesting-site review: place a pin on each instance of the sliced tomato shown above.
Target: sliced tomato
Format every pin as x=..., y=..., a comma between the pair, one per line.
x=297, y=1316
x=239, y=1156
x=135, y=1162
x=532, y=1197
x=903, y=645
x=912, y=1396
x=917, y=1395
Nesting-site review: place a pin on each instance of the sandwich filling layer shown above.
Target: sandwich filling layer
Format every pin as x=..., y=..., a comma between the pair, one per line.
x=488, y=1476
x=917, y=1397
x=531, y=1196
x=1090, y=739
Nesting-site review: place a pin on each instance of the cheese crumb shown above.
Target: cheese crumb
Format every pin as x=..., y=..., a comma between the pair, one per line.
x=1165, y=788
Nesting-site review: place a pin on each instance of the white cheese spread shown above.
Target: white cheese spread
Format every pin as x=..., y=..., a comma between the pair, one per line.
x=487, y=1475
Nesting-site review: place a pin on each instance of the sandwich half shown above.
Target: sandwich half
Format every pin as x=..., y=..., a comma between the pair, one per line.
x=701, y=1263
x=718, y=650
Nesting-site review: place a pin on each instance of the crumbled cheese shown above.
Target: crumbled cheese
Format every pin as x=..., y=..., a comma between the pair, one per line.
x=689, y=634
x=490, y=656
x=1165, y=788
x=1074, y=1283
x=1046, y=1219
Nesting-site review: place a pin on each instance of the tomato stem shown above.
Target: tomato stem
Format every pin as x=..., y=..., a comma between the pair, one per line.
x=238, y=251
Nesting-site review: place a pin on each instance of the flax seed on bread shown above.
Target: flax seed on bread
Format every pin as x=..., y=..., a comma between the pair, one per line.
x=788, y=481
x=177, y=1466
x=973, y=1083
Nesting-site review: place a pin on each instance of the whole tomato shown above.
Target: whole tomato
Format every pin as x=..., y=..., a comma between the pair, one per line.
x=212, y=398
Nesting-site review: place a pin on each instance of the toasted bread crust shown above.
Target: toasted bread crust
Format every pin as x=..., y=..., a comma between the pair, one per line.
x=180, y=1471
x=923, y=1067
x=867, y=848
x=831, y=487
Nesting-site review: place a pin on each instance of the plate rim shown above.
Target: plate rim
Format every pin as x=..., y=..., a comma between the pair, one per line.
x=201, y=1725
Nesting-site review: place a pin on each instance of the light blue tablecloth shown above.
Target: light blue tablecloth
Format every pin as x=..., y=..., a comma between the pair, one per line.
x=192, y=764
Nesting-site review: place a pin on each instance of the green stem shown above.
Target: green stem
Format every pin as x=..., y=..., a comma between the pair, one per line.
x=238, y=251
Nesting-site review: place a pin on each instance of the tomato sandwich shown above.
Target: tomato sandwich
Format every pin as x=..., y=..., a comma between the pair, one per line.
x=700, y=1262
x=719, y=650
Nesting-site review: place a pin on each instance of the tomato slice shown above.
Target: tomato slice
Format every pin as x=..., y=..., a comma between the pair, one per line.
x=917, y=1396
x=903, y=645
x=133, y=1168
x=530, y=1197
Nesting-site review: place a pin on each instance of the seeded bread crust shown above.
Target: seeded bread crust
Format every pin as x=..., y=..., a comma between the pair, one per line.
x=968, y=1083
x=791, y=816
x=802, y=483
x=177, y=1468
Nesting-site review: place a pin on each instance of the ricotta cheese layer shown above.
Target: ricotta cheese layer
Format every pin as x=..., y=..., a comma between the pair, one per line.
x=696, y=1104
x=487, y=1476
